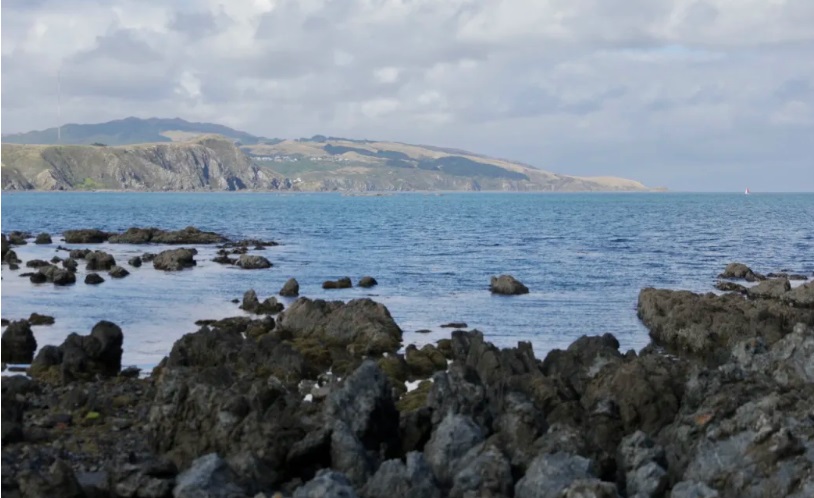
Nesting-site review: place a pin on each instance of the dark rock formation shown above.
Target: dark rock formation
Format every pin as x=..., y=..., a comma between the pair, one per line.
x=175, y=259
x=723, y=285
x=70, y=264
x=18, y=238
x=342, y=283
x=253, y=305
x=93, y=279
x=19, y=343
x=740, y=271
x=135, y=262
x=85, y=236
x=291, y=288
x=36, y=263
x=37, y=319
x=82, y=357
x=253, y=262
x=118, y=272
x=454, y=325
x=367, y=282
x=99, y=261
x=507, y=285
x=79, y=253
x=189, y=235
x=43, y=238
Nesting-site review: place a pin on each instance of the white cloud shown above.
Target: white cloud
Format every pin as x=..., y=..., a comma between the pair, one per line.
x=667, y=91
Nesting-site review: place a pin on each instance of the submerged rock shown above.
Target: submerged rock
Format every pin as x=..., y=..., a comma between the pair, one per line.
x=342, y=283
x=507, y=285
x=118, y=272
x=367, y=282
x=740, y=271
x=85, y=236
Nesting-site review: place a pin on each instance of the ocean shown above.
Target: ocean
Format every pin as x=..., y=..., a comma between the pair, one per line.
x=584, y=258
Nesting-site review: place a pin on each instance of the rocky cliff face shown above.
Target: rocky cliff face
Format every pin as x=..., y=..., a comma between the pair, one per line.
x=208, y=163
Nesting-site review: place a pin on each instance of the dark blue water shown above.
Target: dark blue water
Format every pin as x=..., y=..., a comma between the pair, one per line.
x=584, y=256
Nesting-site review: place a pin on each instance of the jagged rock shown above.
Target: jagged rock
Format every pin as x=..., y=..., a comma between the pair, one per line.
x=99, y=261
x=642, y=466
x=551, y=474
x=43, y=238
x=250, y=301
x=801, y=296
x=149, y=479
x=507, y=285
x=342, y=283
x=691, y=489
x=482, y=471
x=37, y=319
x=12, y=417
x=208, y=477
x=118, y=272
x=93, y=279
x=84, y=357
x=362, y=324
x=423, y=362
x=253, y=262
x=291, y=288
x=740, y=271
x=175, y=259
x=135, y=262
x=18, y=343
x=790, y=361
x=451, y=440
x=367, y=282
x=85, y=236
x=769, y=289
x=59, y=482
x=327, y=484
x=397, y=480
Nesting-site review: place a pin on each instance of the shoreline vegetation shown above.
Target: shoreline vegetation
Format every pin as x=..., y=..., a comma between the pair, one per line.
x=324, y=398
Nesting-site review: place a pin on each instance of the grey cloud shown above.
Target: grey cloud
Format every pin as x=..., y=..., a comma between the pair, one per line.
x=124, y=45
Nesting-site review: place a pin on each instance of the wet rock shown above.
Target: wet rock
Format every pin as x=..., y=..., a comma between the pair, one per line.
x=362, y=324
x=98, y=354
x=189, y=235
x=175, y=259
x=270, y=306
x=13, y=266
x=208, y=477
x=99, y=261
x=253, y=262
x=642, y=466
x=454, y=325
x=147, y=257
x=62, y=277
x=342, y=283
x=291, y=288
x=93, y=279
x=423, y=331
x=450, y=441
x=37, y=319
x=551, y=474
x=56, y=259
x=740, y=271
x=18, y=238
x=723, y=285
x=151, y=478
x=85, y=236
x=250, y=301
x=37, y=278
x=769, y=289
x=79, y=253
x=118, y=272
x=5, y=245
x=507, y=285
x=135, y=262
x=327, y=484
x=10, y=258
x=36, y=263
x=43, y=238
x=224, y=260
x=395, y=479
x=18, y=343
x=367, y=282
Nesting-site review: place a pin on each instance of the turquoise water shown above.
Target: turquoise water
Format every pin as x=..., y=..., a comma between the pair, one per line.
x=584, y=256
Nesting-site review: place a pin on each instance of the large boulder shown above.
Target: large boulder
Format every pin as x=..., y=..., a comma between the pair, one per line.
x=397, y=480
x=43, y=238
x=361, y=324
x=18, y=238
x=208, y=477
x=19, y=343
x=99, y=261
x=551, y=474
x=93, y=279
x=774, y=288
x=118, y=272
x=367, y=282
x=450, y=441
x=79, y=253
x=740, y=271
x=70, y=264
x=175, y=259
x=253, y=262
x=507, y=285
x=98, y=354
x=85, y=236
x=291, y=288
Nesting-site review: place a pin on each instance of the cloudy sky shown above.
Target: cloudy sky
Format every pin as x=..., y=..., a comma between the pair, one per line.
x=691, y=94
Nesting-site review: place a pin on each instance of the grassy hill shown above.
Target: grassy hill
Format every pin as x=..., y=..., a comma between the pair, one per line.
x=173, y=154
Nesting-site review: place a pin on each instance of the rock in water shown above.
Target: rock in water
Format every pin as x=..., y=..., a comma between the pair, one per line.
x=85, y=236
x=84, y=357
x=134, y=262
x=773, y=288
x=118, y=272
x=18, y=343
x=740, y=271
x=250, y=301
x=253, y=262
x=367, y=282
x=37, y=319
x=43, y=238
x=99, y=260
x=291, y=288
x=93, y=279
x=723, y=285
x=175, y=259
x=342, y=283
x=79, y=253
x=507, y=285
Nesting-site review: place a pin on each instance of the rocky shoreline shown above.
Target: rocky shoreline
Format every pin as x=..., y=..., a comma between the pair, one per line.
x=324, y=399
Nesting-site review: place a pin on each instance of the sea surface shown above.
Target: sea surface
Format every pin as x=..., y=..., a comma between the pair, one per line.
x=584, y=257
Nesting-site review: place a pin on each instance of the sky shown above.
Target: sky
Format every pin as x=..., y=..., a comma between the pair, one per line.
x=699, y=95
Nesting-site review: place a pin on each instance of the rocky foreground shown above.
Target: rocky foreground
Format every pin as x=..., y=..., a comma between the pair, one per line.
x=318, y=402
